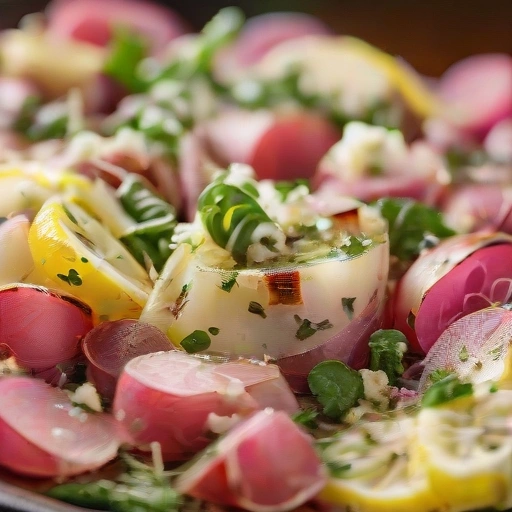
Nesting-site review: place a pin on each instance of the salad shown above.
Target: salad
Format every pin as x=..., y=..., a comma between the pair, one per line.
x=261, y=267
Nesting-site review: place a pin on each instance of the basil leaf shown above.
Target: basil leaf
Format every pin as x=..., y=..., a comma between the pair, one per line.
x=412, y=226
x=336, y=386
x=128, y=50
x=445, y=390
x=387, y=347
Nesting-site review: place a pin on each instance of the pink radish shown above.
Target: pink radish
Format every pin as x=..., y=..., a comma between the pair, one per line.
x=43, y=435
x=474, y=347
x=110, y=345
x=479, y=88
x=178, y=399
x=265, y=464
x=93, y=21
x=41, y=328
x=464, y=274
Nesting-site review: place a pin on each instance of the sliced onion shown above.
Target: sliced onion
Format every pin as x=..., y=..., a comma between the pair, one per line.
x=178, y=399
x=265, y=464
x=110, y=345
x=462, y=274
x=474, y=347
x=43, y=435
x=40, y=327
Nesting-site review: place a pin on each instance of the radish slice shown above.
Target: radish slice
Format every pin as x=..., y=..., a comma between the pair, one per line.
x=93, y=21
x=110, y=345
x=472, y=207
x=265, y=464
x=474, y=347
x=283, y=147
x=43, y=435
x=480, y=90
x=179, y=399
x=462, y=275
x=15, y=257
x=40, y=327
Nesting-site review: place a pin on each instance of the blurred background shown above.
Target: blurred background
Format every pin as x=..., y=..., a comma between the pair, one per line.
x=429, y=34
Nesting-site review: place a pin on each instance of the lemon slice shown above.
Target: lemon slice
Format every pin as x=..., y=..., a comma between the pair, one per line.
x=419, y=98
x=378, y=473
x=83, y=258
x=468, y=466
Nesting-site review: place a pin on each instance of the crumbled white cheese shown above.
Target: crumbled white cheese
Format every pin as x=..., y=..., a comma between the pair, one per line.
x=376, y=387
x=86, y=394
x=364, y=147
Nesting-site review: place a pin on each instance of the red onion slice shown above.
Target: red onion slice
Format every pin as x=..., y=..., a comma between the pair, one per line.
x=110, y=345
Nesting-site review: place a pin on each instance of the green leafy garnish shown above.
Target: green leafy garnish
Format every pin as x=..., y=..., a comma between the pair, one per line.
x=412, y=225
x=347, y=304
x=463, y=354
x=338, y=469
x=213, y=331
x=73, y=278
x=257, y=309
x=336, y=386
x=128, y=50
x=307, y=328
x=445, y=390
x=307, y=418
x=387, y=347
x=140, y=488
x=228, y=281
x=196, y=342
x=439, y=374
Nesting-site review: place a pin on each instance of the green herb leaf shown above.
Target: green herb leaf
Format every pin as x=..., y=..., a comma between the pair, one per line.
x=257, y=309
x=439, y=374
x=196, y=342
x=73, y=278
x=337, y=387
x=463, y=354
x=338, y=469
x=307, y=418
x=128, y=50
x=443, y=391
x=348, y=306
x=412, y=226
x=139, y=489
x=308, y=328
x=228, y=281
x=387, y=347
x=213, y=331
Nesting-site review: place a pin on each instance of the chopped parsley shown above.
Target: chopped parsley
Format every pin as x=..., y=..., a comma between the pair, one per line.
x=347, y=304
x=257, y=309
x=73, y=278
x=307, y=328
x=196, y=342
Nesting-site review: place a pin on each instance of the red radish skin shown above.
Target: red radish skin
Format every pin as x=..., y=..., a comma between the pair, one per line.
x=169, y=397
x=479, y=88
x=261, y=34
x=40, y=435
x=462, y=275
x=110, y=345
x=483, y=336
x=265, y=464
x=25, y=329
x=279, y=147
x=93, y=21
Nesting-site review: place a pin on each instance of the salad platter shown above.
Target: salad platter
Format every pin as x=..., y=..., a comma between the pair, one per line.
x=261, y=267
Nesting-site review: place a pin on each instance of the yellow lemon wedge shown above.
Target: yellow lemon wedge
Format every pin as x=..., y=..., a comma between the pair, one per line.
x=467, y=466
x=83, y=258
x=415, y=93
x=379, y=474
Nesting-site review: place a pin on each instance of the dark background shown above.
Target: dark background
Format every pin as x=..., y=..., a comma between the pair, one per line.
x=430, y=34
